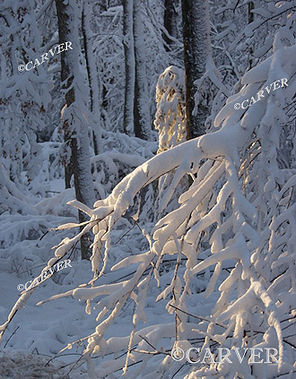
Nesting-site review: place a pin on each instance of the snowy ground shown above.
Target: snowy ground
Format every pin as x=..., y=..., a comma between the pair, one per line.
x=42, y=331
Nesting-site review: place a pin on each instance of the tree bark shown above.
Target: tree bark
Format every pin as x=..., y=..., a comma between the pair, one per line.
x=197, y=49
x=250, y=20
x=92, y=80
x=129, y=57
x=75, y=123
x=170, y=22
x=142, y=122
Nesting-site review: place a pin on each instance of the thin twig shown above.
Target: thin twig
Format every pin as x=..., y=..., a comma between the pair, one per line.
x=199, y=317
x=178, y=370
x=12, y=334
x=124, y=234
x=145, y=339
x=75, y=363
x=157, y=352
x=44, y=234
x=286, y=373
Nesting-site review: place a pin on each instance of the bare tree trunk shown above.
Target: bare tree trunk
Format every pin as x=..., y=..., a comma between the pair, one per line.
x=91, y=74
x=75, y=123
x=170, y=18
x=129, y=57
x=197, y=48
x=250, y=20
x=142, y=121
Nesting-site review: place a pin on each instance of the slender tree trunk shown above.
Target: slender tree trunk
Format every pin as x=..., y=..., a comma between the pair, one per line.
x=129, y=57
x=142, y=121
x=68, y=168
x=170, y=18
x=250, y=20
x=197, y=49
x=92, y=80
x=75, y=123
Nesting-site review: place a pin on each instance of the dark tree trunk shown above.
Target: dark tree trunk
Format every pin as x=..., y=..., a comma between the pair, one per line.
x=129, y=57
x=92, y=80
x=250, y=20
x=170, y=18
x=142, y=122
x=76, y=129
x=197, y=48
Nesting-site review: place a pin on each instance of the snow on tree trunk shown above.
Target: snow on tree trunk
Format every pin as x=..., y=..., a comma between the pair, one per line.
x=251, y=7
x=170, y=21
x=142, y=121
x=75, y=113
x=92, y=79
x=129, y=57
x=197, y=50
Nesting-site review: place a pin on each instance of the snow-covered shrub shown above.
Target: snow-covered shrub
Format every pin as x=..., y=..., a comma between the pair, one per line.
x=170, y=122
x=23, y=224
x=170, y=113
x=11, y=198
x=26, y=106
